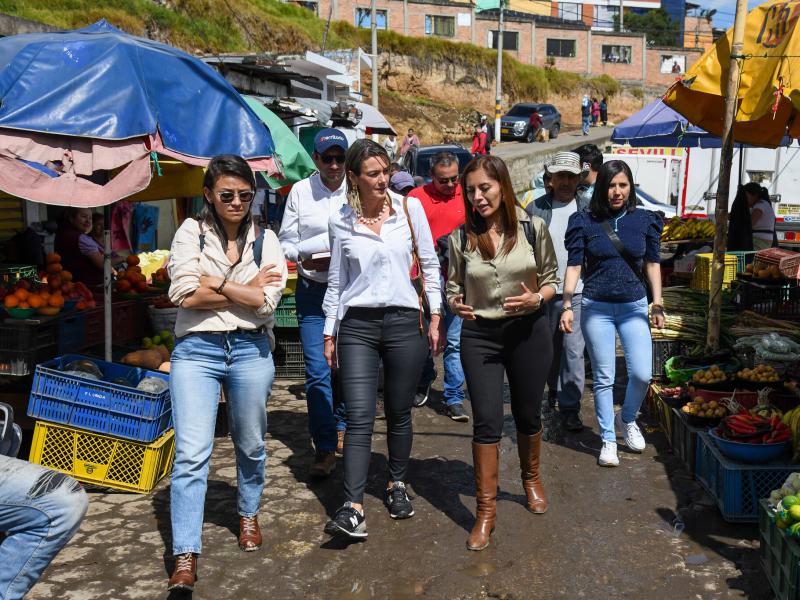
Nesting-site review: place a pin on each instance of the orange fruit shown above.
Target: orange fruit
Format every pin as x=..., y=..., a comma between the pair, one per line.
x=53, y=257
x=66, y=276
x=44, y=294
x=35, y=300
x=56, y=300
x=54, y=268
x=21, y=294
x=132, y=259
x=24, y=305
x=11, y=301
x=123, y=285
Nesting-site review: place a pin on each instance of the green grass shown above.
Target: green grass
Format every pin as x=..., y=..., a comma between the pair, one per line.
x=210, y=26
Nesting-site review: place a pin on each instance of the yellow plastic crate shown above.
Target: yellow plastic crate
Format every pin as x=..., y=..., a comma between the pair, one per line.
x=101, y=459
x=701, y=280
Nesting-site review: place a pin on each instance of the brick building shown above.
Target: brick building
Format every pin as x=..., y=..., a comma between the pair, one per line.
x=532, y=39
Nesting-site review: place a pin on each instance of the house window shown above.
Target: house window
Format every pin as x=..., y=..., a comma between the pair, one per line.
x=364, y=18
x=510, y=40
x=570, y=11
x=616, y=54
x=604, y=17
x=564, y=48
x=438, y=25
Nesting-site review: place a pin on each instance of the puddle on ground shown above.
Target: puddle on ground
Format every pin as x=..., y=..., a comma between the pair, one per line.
x=478, y=569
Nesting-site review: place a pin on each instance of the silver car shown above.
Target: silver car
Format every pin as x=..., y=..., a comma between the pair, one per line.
x=515, y=124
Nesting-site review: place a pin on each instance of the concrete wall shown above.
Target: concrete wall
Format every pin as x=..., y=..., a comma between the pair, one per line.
x=14, y=26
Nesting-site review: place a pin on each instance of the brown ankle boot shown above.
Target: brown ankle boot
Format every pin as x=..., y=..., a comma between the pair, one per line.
x=185, y=573
x=485, y=458
x=529, y=447
x=249, y=534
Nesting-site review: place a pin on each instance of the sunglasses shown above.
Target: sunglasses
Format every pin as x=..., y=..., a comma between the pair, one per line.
x=245, y=196
x=329, y=159
x=446, y=180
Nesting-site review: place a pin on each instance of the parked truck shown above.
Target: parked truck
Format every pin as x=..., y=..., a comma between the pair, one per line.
x=686, y=178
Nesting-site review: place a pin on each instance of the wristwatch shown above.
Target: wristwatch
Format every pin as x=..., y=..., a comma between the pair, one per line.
x=436, y=311
x=541, y=299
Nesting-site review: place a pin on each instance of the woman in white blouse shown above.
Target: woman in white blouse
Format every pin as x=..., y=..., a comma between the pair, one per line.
x=227, y=280
x=373, y=312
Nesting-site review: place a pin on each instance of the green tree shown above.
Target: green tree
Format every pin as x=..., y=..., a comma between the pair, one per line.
x=659, y=27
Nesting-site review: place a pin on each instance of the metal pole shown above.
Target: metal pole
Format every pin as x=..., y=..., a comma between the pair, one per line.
x=107, y=281
x=374, y=26
x=498, y=96
x=621, y=15
x=723, y=184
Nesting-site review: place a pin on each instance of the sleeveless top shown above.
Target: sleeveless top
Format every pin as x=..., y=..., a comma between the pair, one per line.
x=764, y=228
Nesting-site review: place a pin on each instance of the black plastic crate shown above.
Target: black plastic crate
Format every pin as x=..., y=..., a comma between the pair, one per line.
x=23, y=344
x=683, y=439
x=778, y=300
x=663, y=350
x=71, y=332
x=288, y=355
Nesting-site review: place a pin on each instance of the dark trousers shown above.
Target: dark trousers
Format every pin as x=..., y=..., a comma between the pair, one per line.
x=365, y=336
x=520, y=347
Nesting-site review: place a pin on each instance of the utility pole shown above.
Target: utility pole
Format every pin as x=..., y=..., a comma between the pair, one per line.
x=723, y=184
x=374, y=26
x=622, y=15
x=498, y=96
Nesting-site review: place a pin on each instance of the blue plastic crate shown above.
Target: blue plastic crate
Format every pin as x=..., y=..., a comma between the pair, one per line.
x=107, y=406
x=737, y=487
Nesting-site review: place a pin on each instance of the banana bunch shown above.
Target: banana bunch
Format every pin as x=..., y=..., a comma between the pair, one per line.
x=792, y=420
x=677, y=229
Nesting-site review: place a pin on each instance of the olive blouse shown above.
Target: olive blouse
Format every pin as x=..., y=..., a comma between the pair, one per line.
x=486, y=284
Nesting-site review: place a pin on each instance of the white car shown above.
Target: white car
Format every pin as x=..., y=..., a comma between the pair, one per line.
x=645, y=200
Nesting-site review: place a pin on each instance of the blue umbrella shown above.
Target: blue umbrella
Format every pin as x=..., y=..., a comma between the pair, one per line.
x=658, y=125
x=101, y=83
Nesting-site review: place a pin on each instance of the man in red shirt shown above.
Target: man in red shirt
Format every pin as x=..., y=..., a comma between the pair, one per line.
x=444, y=206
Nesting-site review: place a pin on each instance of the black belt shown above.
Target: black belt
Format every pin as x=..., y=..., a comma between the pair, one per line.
x=262, y=329
x=312, y=282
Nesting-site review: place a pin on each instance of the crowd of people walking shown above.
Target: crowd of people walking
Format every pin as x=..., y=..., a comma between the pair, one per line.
x=390, y=274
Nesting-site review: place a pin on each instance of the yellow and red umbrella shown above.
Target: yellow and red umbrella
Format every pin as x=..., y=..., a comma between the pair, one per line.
x=768, y=99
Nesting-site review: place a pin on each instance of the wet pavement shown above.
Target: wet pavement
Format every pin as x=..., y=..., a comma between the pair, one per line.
x=643, y=530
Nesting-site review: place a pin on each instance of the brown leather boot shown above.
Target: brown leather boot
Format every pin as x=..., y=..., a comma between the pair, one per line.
x=185, y=573
x=485, y=458
x=529, y=447
x=249, y=534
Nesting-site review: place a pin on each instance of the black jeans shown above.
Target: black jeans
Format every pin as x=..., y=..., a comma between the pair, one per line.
x=520, y=347
x=365, y=336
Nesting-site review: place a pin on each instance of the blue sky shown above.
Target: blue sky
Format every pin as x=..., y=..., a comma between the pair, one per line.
x=725, y=10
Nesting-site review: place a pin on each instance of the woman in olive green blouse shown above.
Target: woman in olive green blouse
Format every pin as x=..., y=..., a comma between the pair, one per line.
x=503, y=269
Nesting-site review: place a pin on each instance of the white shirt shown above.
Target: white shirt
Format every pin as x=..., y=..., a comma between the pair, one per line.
x=371, y=270
x=187, y=263
x=304, y=229
x=763, y=228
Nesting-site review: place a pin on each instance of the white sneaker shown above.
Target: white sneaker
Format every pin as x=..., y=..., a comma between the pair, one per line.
x=608, y=455
x=630, y=432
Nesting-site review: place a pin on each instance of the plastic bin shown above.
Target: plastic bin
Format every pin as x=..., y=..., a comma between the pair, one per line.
x=100, y=406
x=126, y=322
x=23, y=344
x=663, y=350
x=780, y=301
x=780, y=556
x=162, y=319
x=71, y=332
x=662, y=411
x=701, y=280
x=683, y=439
x=103, y=460
x=743, y=258
x=787, y=261
x=737, y=487
x=288, y=355
x=285, y=315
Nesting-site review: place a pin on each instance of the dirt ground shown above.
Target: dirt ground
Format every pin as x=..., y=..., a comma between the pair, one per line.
x=643, y=530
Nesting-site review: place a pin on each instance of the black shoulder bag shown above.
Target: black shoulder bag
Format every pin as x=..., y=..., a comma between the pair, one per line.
x=630, y=260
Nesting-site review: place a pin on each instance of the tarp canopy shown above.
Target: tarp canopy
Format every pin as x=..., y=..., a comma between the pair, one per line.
x=657, y=125
x=101, y=83
x=768, y=97
x=296, y=162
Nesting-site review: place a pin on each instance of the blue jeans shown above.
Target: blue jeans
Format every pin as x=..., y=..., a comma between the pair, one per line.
x=567, y=372
x=586, y=122
x=325, y=416
x=240, y=363
x=40, y=510
x=601, y=321
x=453, y=371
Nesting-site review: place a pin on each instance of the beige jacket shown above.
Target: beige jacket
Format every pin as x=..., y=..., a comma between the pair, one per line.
x=187, y=263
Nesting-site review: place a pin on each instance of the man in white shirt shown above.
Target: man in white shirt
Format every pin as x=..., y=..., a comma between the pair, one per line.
x=304, y=239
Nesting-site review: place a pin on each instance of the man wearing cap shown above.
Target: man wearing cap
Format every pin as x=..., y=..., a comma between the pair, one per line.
x=304, y=240
x=401, y=183
x=444, y=207
x=566, y=379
